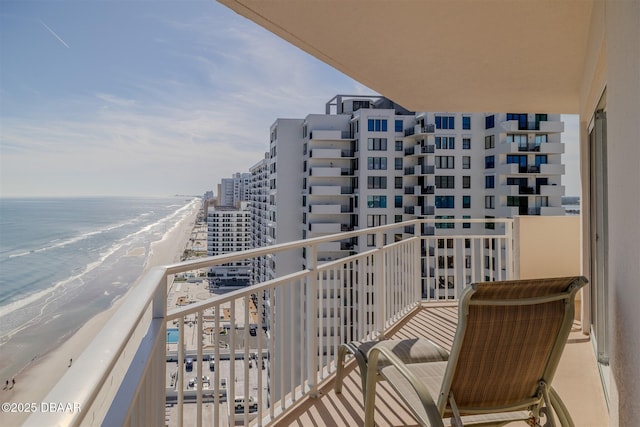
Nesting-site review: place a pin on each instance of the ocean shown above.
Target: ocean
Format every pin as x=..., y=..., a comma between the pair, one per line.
x=64, y=260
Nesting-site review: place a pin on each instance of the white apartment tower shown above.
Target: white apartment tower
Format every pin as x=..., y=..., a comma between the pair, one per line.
x=234, y=190
x=258, y=206
x=229, y=230
x=370, y=162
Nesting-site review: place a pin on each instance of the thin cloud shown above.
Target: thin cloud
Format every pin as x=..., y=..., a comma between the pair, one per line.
x=55, y=35
x=114, y=99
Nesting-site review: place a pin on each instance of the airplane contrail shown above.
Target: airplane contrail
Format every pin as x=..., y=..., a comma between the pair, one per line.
x=55, y=35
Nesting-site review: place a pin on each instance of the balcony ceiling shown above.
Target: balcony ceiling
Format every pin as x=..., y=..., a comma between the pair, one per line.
x=444, y=55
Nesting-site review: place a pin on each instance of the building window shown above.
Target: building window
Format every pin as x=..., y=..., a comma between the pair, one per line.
x=466, y=202
x=541, y=159
x=445, y=122
x=441, y=243
x=376, y=220
x=489, y=202
x=398, y=163
x=519, y=138
x=445, y=142
x=520, y=118
x=398, y=201
x=489, y=225
x=467, y=225
x=489, y=181
x=374, y=163
x=445, y=224
x=466, y=162
x=376, y=201
x=444, y=181
x=377, y=144
x=371, y=239
x=398, y=145
x=489, y=162
x=466, y=143
x=489, y=142
x=513, y=201
x=490, y=122
x=377, y=125
x=543, y=137
x=445, y=202
x=466, y=122
x=466, y=181
x=445, y=162
x=397, y=218
x=399, y=126
x=377, y=182
x=398, y=182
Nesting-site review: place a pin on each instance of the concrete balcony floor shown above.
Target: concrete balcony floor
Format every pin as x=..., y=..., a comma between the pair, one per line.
x=577, y=380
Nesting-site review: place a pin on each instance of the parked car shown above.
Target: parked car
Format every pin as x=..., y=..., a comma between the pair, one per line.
x=189, y=364
x=240, y=401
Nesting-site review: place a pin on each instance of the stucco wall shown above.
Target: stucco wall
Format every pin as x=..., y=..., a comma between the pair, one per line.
x=548, y=246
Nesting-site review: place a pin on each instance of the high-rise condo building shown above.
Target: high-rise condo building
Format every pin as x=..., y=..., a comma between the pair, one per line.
x=234, y=190
x=369, y=162
x=229, y=230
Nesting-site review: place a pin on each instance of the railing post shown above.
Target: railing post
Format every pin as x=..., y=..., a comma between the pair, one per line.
x=180, y=371
x=417, y=263
x=512, y=260
x=312, y=320
x=380, y=282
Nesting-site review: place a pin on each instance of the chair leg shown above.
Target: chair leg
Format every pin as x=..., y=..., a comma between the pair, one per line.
x=362, y=365
x=342, y=352
x=560, y=409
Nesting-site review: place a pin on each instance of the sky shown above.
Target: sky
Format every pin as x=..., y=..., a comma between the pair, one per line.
x=151, y=97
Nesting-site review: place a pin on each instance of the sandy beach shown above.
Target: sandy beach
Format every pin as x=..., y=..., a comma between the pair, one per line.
x=34, y=382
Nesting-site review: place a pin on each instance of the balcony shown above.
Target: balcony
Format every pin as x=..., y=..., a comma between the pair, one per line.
x=541, y=126
x=330, y=153
x=418, y=130
x=329, y=190
x=329, y=135
x=551, y=190
x=293, y=325
x=319, y=171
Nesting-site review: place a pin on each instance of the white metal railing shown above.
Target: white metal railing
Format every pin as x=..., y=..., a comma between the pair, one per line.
x=292, y=324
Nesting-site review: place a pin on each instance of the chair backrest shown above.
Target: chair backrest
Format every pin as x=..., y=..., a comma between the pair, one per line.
x=510, y=336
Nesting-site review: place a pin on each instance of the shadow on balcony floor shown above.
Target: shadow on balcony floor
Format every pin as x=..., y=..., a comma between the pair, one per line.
x=577, y=381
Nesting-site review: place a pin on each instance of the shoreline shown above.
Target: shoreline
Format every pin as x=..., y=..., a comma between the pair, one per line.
x=37, y=378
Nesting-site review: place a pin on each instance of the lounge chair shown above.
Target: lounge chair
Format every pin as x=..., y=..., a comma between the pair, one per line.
x=506, y=349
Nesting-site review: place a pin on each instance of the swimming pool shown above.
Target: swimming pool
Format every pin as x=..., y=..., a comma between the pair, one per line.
x=172, y=335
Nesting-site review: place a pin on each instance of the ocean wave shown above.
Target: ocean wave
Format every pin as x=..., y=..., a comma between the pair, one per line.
x=58, y=243
x=80, y=272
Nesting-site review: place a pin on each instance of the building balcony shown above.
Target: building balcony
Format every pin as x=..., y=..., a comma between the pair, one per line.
x=552, y=190
x=330, y=153
x=284, y=333
x=418, y=131
x=541, y=127
x=320, y=171
x=329, y=190
x=325, y=209
x=329, y=135
x=552, y=169
x=324, y=227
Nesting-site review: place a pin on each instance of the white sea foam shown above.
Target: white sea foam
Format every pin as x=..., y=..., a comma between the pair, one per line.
x=57, y=243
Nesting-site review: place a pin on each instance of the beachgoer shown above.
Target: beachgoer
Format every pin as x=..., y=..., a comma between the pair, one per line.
x=70, y=362
x=13, y=382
